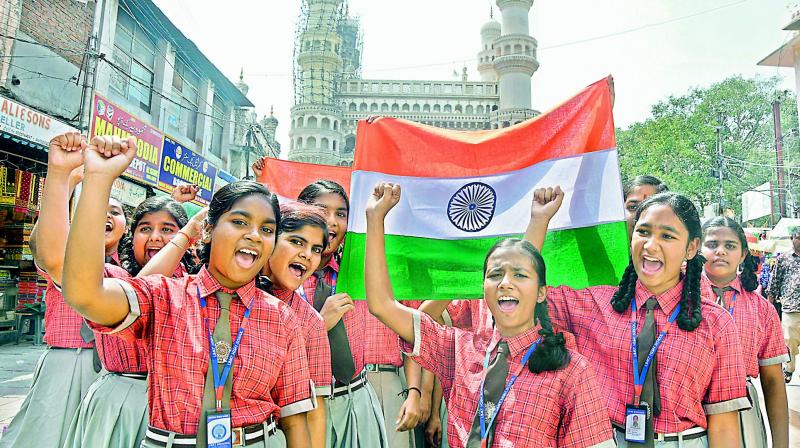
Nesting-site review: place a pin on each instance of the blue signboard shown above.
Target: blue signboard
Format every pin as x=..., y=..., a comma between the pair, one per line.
x=182, y=166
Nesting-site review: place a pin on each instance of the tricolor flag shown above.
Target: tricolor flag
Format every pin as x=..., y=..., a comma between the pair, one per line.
x=287, y=179
x=464, y=191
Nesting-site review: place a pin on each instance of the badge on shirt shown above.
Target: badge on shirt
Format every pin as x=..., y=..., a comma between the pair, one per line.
x=635, y=423
x=218, y=429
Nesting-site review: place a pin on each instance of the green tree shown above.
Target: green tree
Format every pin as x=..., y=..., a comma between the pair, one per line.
x=678, y=142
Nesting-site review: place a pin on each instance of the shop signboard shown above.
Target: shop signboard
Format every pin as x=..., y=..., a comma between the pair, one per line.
x=110, y=119
x=179, y=166
x=23, y=122
x=128, y=192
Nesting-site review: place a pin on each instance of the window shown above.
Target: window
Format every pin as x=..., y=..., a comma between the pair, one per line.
x=217, y=127
x=185, y=84
x=134, y=55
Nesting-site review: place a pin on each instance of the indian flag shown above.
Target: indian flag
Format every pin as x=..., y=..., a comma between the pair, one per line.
x=464, y=191
x=287, y=179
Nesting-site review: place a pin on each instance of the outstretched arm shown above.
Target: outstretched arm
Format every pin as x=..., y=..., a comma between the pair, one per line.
x=100, y=301
x=380, y=298
x=545, y=204
x=49, y=235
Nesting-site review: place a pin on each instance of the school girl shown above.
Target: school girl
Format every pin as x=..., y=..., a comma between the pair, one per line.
x=729, y=277
x=637, y=191
x=208, y=383
x=302, y=238
x=354, y=416
x=114, y=411
x=687, y=383
x=522, y=386
x=65, y=370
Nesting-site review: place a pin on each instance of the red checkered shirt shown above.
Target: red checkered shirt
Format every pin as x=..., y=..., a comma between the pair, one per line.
x=472, y=315
x=759, y=328
x=316, y=339
x=354, y=321
x=62, y=324
x=270, y=371
x=561, y=408
x=699, y=372
x=381, y=344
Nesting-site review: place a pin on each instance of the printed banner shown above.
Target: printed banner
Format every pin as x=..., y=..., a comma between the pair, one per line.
x=179, y=166
x=36, y=127
x=110, y=119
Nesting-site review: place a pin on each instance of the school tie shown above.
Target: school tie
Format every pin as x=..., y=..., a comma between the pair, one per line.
x=222, y=340
x=492, y=389
x=342, y=364
x=650, y=393
x=720, y=292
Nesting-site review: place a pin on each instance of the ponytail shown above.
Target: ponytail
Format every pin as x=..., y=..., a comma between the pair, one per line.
x=690, y=317
x=552, y=353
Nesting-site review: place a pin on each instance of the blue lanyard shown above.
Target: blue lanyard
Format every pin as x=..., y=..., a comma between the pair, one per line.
x=333, y=282
x=638, y=377
x=514, y=376
x=733, y=302
x=219, y=380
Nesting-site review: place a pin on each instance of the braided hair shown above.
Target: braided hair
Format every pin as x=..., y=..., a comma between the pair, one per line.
x=552, y=353
x=153, y=204
x=690, y=316
x=750, y=265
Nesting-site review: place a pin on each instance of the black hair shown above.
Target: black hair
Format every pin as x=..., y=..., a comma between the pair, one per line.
x=690, y=316
x=552, y=353
x=295, y=216
x=321, y=187
x=153, y=204
x=642, y=180
x=223, y=200
x=750, y=264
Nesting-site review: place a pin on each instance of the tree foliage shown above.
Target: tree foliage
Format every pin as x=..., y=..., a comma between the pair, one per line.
x=678, y=142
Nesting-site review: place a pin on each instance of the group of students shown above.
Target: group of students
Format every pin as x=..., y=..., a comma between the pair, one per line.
x=226, y=329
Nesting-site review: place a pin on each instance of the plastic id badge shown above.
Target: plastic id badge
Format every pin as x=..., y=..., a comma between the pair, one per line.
x=218, y=429
x=635, y=423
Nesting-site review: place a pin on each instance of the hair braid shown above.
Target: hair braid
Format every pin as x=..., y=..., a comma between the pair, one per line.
x=552, y=353
x=690, y=316
x=621, y=300
x=748, y=275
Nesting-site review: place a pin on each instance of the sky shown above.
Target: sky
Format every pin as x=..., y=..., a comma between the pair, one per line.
x=653, y=48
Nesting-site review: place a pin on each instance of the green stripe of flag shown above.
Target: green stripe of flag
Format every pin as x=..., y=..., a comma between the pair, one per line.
x=424, y=268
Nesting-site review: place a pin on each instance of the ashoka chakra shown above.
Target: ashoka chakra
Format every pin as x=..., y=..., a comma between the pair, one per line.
x=472, y=207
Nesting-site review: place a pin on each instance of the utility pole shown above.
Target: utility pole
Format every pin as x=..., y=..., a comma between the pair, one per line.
x=776, y=117
x=719, y=170
x=249, y=137
x=92, y=63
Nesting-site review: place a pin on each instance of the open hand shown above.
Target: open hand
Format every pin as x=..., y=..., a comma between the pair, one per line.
x=384, y=197
x=108, y=156
x=546, y=202
x=185, y=193
x=65, y=152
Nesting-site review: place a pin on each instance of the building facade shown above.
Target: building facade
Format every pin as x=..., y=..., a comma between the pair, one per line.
x=331, y=96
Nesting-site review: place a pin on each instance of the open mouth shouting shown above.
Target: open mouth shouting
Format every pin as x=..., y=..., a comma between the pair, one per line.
x=651, y=265
x=151, y=251
x=246, y=257
x=507, y=304
x=297, y=269
x=109, y=226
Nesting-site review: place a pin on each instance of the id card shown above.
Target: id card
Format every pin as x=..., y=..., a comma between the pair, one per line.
x=218, y=429
x=635, y=423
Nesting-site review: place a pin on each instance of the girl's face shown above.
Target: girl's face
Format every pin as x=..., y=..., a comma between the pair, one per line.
x=336, y=216
x=659, y=245
x=152, y=232
x=296, y=256
x=115, y=224
x=511, y=290
x=636, y=196
x=241, y=241
x=723, y=253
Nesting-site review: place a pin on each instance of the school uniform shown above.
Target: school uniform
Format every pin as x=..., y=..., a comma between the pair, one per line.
x=269, y=378
x=711, y=353
x=61, y=379
x=472, y=315
x=354, y=415
x=560, y=408
x=386, y=375
x=761, y=341
x=114, y=411
x=318, y=349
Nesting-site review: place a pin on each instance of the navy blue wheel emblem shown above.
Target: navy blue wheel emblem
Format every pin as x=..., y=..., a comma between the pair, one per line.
x=472, y=207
